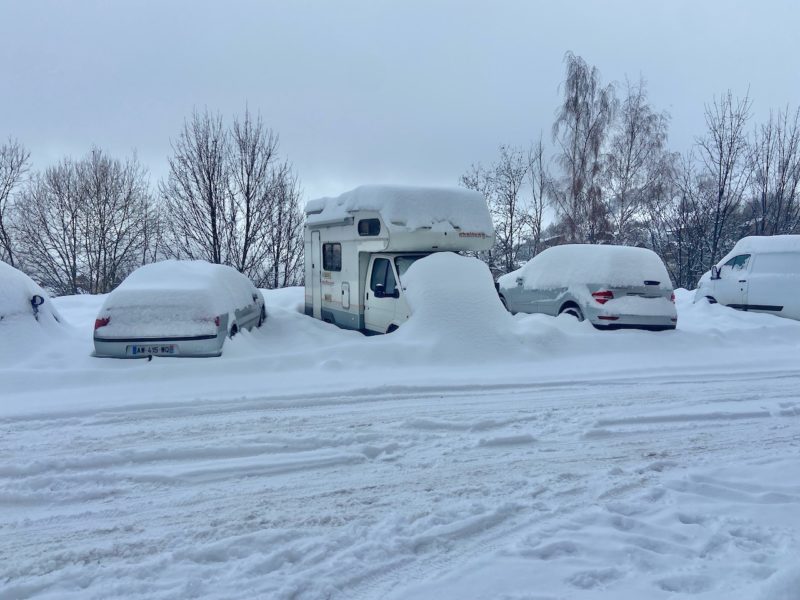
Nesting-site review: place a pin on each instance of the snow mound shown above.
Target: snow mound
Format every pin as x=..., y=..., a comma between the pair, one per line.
x=21, y=334
x=409, y=208
x=453, y=302
x=576, y=264
x=16, y=290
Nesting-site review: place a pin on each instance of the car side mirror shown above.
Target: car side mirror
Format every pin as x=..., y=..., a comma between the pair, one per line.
x=520, y=281
x=36, y=301
x=715, y=272
x=380, y=290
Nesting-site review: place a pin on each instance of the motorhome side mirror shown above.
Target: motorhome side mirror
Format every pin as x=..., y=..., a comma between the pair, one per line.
x=37, y=301
x=380, y=290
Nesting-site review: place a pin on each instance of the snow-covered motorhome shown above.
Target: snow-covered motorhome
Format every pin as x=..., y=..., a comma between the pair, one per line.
x=359, y=245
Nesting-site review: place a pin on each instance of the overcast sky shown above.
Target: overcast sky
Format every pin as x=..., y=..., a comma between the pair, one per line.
x=369, y=92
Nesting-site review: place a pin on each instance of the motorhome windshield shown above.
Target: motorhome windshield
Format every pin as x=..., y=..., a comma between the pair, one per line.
x=403, y=262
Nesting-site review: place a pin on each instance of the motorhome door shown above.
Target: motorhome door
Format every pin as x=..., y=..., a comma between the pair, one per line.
x=380, y=301
x=316, y=271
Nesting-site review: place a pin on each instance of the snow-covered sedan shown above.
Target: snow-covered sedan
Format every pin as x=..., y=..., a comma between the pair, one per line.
x=176, y=308
x=613, y=287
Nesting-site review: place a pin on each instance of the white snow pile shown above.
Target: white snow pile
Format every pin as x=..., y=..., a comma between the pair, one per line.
x=22, y=334
x=455, y=307
x=16, y=290
x=409, y=208
x=183, y=295
x=576, y=264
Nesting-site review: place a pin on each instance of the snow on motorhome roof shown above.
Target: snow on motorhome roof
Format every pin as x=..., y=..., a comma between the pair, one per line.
x=408, y=207
x=766, y=243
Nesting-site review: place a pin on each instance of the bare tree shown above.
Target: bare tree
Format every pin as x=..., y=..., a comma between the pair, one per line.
x=116, y=215
x=581, y=128
x=14, y=165
x=48, y=226
x=723, y=155
x=775, y=163
x=284, y=240
x=541, y=185
x=80, y=226
x=196, y=191
x=230, y=199
x=635, y=162
x=502, y=184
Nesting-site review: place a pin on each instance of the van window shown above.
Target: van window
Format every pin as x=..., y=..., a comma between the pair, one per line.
x=784, y=263
x=737, y=263
x=369, y=227
x=332, y=257
x=382, y=272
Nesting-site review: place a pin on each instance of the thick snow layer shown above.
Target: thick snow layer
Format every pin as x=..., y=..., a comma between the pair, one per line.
x=179, y=295
x=764, y=244
x=409, y=208
x=581, y=264
x=22, y=334
x=311, y=462
x=452, y=298
x=16, y=290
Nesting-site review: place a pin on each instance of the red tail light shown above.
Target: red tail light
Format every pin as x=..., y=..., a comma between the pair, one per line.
x=98, y=323
x=672, y=298
x=603, y=296
x=216, y=320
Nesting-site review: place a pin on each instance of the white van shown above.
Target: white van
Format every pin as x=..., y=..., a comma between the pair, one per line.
x=761, y=273
x=359, y=245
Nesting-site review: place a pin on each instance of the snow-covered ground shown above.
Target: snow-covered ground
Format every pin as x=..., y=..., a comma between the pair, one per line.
x=520, y=458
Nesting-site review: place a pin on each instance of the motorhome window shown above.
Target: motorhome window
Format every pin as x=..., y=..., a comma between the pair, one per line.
x=332, y=257
x=368, y=227
x=403, y=262
x=382, y=273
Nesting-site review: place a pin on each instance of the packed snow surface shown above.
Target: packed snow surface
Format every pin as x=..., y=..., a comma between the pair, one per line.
x=581, y=264
x=175, y=297
x=310, y=462
x=409, y=208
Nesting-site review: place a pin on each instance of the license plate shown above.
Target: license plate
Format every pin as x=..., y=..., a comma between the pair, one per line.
x=152, y=349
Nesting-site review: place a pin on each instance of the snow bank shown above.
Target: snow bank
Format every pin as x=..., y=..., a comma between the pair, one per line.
x=454, y=304
x=183, y=295
x=409, y=208
x=576, y=264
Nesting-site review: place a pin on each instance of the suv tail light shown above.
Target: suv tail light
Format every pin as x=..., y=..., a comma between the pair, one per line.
x=98, y=323
x=603, y=296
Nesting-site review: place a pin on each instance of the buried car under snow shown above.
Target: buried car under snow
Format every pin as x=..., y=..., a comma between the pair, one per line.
x=613, y=287
x=176, y=308
x=22, y=299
